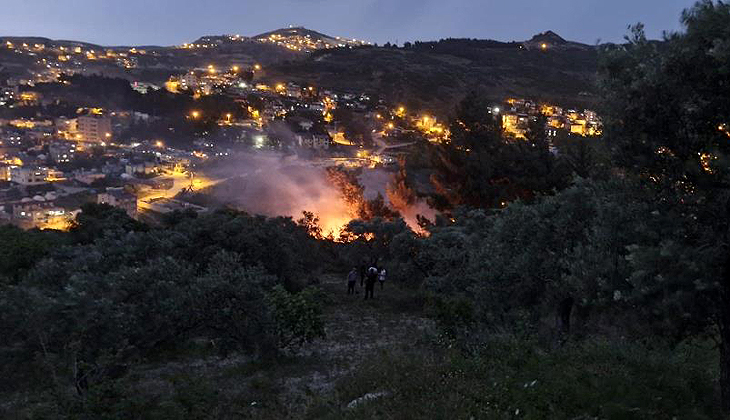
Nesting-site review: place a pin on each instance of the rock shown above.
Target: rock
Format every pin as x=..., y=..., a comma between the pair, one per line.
x=367, y=397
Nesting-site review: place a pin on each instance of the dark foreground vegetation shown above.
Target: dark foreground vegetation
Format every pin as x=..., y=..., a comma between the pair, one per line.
x=606, y=295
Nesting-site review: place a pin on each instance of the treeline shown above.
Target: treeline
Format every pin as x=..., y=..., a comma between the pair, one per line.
x=81, y=309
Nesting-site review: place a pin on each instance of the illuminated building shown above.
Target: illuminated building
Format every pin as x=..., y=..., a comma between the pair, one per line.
x=62, y=152
x=117, y=197
x=38, y=213
x=25, y=175
x=94, y=128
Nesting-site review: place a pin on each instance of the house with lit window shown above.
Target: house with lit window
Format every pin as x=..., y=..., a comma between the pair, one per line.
x=38, y=213
x=117, y=197
x=28, y=175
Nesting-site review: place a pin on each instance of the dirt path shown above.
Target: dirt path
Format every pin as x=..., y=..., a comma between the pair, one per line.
x=357, y=330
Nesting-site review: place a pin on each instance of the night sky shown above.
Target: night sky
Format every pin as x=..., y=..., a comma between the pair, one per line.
x=168, y=22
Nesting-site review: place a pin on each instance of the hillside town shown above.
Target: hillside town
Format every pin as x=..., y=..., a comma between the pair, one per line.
x=446, y=211
x=59, y=151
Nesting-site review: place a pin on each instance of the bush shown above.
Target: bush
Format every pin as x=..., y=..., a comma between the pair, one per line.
x=297, y=317
x=514, y=378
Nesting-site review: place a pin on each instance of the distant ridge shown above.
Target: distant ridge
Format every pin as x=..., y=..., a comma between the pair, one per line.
x=293, y=38
x=550, y=39
x=549, y=36
x=294, y=31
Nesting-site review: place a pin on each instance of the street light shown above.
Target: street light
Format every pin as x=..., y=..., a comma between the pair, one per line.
x=195, y=114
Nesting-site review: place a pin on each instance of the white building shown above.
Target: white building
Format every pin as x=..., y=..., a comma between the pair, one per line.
x=314, y=141
x=25, y=175
x=94, y=128
x=117, y=197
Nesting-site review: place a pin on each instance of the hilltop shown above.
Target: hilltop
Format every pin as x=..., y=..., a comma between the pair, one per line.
x=550, y=39
x=427, y=75
x=436, y=74
x=295, y=38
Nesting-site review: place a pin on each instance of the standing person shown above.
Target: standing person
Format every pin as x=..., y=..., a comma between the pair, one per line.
x=381, y=278
x=372, y=277
x=351, y=281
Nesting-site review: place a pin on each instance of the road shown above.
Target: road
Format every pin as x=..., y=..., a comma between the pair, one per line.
x=180, y=181
x=383, y=146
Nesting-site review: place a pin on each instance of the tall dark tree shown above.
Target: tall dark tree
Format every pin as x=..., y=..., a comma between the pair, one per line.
x=667, y=110
x=479, y=167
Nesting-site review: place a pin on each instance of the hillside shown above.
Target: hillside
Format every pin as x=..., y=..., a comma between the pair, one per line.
x=425, y=75
x=434, y=75
x=298, y=32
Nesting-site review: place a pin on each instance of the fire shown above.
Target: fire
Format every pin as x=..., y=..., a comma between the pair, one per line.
x=334, y=225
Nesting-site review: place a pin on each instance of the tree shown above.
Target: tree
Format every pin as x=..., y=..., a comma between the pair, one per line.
x=479, y=167
x=353, y=193
x=667, y=109
x=400, y=194
x=20, y=251
x=297, y=317
x=97, y=219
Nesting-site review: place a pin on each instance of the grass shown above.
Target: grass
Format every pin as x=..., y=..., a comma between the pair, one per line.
x=386, y=345
x=511, y=378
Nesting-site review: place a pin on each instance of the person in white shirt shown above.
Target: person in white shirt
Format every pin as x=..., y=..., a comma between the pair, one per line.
x=351, y=281
x=381, y=278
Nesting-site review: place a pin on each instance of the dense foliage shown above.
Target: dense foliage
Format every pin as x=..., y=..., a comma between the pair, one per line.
x=112, y=292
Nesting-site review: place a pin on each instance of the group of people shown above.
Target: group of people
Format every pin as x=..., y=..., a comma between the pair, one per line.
x=368, y=277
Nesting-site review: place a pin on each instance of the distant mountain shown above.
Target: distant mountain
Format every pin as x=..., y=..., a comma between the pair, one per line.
x=550, y=39
x=302, y=39
x=296, y=31
x=424, y=75
x=293, y=39
x=32, y=40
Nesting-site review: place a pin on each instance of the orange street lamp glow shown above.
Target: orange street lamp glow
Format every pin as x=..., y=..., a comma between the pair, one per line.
x=195, y=114
x=158, y=143
x=543, y=46
x=257, y=67
x=235, y=68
